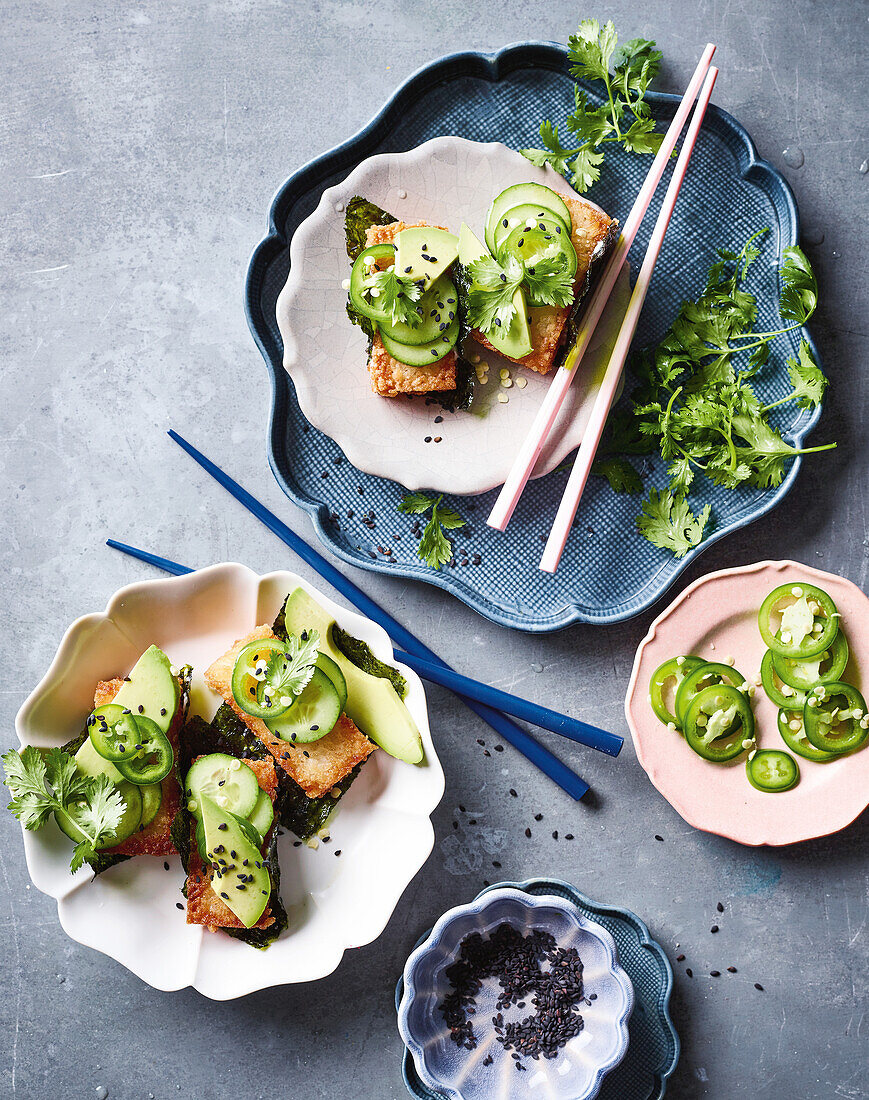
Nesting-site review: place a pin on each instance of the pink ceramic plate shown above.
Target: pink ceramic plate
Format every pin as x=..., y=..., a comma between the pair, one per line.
x=716, y=618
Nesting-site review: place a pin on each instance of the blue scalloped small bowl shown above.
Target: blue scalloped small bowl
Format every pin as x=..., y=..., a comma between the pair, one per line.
x=579, y=1068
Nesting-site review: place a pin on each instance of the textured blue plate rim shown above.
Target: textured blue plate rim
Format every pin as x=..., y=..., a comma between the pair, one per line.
x=544, y=885
x=491, y=66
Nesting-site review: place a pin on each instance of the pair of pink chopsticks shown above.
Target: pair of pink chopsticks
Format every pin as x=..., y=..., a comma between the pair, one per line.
x=529, y=452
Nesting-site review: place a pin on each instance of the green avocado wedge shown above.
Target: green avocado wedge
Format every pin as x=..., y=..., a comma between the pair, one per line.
x=243, y=882
x=372, y=702
x=425, y=252
x=151, y=689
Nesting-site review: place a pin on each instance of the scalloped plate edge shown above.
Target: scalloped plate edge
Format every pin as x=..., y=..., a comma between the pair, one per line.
x=492, y=66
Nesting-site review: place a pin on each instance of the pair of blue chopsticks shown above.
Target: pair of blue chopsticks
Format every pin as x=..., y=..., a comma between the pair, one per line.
x=481, y=698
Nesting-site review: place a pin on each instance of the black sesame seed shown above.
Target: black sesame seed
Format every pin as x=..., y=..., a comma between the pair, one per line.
x=758, y=986
x=223, y=826
x=731, y=970
x=528, y=833
x=720, y=907
x=714, y=929
x=178, y=905
x=714, y=973
x=680, y=958
x=513, y=793
x=165, y=865
x=657, y=837
x=689, y=972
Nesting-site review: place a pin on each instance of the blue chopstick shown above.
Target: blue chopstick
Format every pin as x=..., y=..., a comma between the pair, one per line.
x=519, y=738
x=563, y=724
x=572, y=728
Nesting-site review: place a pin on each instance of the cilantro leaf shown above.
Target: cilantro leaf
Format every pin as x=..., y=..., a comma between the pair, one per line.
x=31, y=803
x=290, y=672
x=668, y=522
x=799, y=293
x=621, y=475
x=395, y=293
x=548, y=281
x=490, y=296
x=435, y=549
x=808, y=381
x=626, y=71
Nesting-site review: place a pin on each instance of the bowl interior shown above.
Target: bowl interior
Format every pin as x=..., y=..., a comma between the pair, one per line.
x=576, y=1071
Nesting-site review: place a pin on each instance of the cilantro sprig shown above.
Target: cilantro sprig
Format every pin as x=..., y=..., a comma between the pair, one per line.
x=395, y=294
x=695, y=404
x=493, y=282
x=435, y=549
x=41, y=785
x=289, y=672
x=626, y=71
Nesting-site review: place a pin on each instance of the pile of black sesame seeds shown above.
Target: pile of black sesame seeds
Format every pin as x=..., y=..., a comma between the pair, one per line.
x=517, y=961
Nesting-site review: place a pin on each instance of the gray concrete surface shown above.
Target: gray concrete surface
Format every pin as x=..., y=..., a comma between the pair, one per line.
x=140, y=145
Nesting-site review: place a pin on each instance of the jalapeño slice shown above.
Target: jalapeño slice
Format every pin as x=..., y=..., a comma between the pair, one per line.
x=803, y=675
x=676, y=669
x=113, y=732
x=370, y=259
x=780, y=692
x=249, y=678
x=711, y=672
x=793, y=733
x=153, y=757
x=718, y=719
x=808, y=623
x=835, y=718
x=772, y=771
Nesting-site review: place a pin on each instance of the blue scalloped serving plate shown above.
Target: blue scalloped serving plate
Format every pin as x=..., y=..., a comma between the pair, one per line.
x=608, y=572
x=653, y=1047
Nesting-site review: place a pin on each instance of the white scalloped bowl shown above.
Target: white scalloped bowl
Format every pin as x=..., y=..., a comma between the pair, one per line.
x=382, y=829
x=580, y=1066
x=445, y=181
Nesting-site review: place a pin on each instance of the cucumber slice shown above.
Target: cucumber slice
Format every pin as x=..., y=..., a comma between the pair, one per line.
x=333, y=671
x=530, y=215
x=152, y=800
x=229, y=783
x=421, y=355
x=437, y=308
x=262, y=816
x=520, y=194
x=313, y=714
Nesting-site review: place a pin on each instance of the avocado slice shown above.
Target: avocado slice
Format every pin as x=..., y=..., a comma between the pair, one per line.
x=372, y=701
x=515, y=340
x=414, y=244
x=151, y=687
x=243, y=881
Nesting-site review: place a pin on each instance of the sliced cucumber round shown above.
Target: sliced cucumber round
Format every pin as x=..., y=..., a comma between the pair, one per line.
x=262, y=816
x=520, y=194
x=229, y=783
x=313, y=714
x=437, y=309
x=421, y=355
x=330, y=667
x=531, y=216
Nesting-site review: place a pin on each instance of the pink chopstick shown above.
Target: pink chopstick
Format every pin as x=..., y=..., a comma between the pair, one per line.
x=532, y=445
x=604, y=399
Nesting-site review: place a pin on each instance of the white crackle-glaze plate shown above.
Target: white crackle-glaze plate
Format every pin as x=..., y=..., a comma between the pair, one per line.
x=382, y=828
x=445, y=181
x=716, y=618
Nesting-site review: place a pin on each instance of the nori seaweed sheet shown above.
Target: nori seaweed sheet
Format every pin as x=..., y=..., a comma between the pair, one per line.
x=577, y=310
x=227, y=733
x=361, y=215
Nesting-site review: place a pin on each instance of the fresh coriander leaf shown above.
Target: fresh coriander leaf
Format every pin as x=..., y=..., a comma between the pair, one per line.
x=434, y=547
x=640, y=137
x=415, y=504
x=668, y=522
x=100, y=813
x=808, y=380
x=399, y=295
x=490, y=297
x=32, y=803
x=554, y=153
x=300, y=660
x=799, y=293
x=585, y=169
x=621, y=475
x=549, y=283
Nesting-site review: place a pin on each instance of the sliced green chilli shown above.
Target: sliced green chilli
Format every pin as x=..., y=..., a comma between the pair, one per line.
x=807, y=624
x=803, y=675
x=784, y=695
x=369, y=258
x=676, y=669
x=532, y=243
x=793, y=733
x=835, y=718
x=153, y=757
x=113, y=732
x=226, y=780
x=710, y=672
x=526, y=214
x=313, y=714
x=717, y=721
x=249, y=677
x=772, y=771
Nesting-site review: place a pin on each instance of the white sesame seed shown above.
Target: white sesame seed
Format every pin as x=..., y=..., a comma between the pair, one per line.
x=345, y=284
x=521, y=383
x=503, y=398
